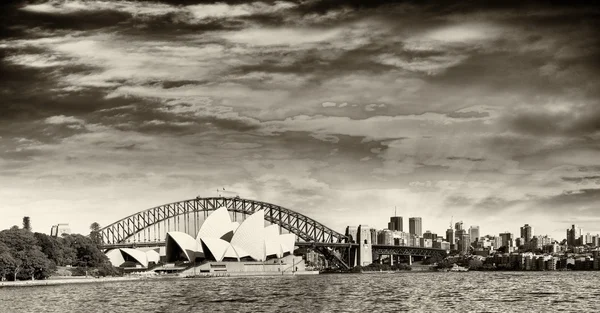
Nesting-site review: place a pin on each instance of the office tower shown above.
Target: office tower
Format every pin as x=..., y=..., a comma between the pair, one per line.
x=351, y=232
x=415, y=226
x=450, y=235
x=527, y=232
x=474, y=233
x=464, y=242
x=458, y=225
x=573, y=235
x=507, y=240
x=396, y=223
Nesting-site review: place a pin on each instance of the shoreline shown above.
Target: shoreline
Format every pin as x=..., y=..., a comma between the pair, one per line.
x=65, y=281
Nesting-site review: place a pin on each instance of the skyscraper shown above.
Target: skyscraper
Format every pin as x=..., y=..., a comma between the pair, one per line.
x=527, y=232
x=507, y=239
x=463, y=241
x=474, y=233
x=396, y=223
x=573, y=235
x=458, y=225
x=415, y=226
x=450, y=235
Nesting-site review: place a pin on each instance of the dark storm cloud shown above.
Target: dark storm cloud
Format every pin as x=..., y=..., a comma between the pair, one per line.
x=585, y=179
x=574, y=198
x=454, y=158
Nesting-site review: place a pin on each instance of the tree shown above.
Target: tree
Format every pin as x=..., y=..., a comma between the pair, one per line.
x=95, y=234
x=26, y=223
x=28, y=261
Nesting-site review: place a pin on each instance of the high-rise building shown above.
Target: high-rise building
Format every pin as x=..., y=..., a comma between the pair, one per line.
x=458, y=225
x=60, y=229
x=396, y=223
x=474, y=233
x=573, y=235
x=415, y=226
x=450, y=235
x=527, y=232
x=464, y=242
x=507, y=240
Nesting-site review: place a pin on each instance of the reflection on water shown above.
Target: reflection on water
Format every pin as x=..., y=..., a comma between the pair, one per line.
x=414, y=292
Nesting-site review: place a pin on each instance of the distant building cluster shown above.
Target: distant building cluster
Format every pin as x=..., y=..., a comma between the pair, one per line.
x=529, y=261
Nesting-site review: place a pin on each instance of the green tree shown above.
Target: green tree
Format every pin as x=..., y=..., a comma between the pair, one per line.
x=29, y=261
x=95, y=234
x=27, y=223
x=7, y=262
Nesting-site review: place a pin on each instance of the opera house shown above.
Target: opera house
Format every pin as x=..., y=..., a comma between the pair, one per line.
x=222, y=245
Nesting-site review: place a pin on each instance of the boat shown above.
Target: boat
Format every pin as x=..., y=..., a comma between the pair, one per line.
x=456, y=268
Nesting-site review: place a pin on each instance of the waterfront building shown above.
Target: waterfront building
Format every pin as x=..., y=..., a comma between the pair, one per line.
x=221, y=239
x=133, y=257
x=59, y=229
x=415, y=225
x=351, y=232
x=552, y=264
x=527, y=232
x=474, y=233
x=396, y=223
x=365, y=251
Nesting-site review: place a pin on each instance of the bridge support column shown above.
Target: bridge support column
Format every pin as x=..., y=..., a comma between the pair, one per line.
x=409, y=259
x=391, y=259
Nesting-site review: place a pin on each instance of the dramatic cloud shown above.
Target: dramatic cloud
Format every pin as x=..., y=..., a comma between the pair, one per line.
x=332, y=108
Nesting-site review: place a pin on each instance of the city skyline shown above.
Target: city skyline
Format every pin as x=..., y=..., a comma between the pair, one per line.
x=340, y=111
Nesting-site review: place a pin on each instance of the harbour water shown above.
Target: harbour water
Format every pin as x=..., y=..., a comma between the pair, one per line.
x=390, y=292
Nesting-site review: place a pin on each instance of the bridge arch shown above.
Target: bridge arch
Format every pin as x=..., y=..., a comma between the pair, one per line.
x=301, y=225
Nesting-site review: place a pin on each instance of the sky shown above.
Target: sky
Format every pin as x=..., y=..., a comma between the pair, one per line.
x=339, y=110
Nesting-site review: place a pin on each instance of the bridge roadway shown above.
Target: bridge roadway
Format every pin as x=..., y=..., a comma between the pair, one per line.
x=377, y=249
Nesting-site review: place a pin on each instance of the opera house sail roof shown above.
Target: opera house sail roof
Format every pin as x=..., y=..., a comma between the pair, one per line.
x=219, y=239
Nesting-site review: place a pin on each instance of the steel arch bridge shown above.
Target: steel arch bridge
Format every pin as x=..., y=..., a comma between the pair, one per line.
x=301, y=225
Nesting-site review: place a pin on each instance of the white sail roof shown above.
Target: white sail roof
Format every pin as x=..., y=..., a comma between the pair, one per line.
x=153, y=256
x=137, y=255
x=287, y=242
x=185, y=242
x=115, y=257
x=250, y=236
x=217, y=247
x=272, y=244
x=216, y=225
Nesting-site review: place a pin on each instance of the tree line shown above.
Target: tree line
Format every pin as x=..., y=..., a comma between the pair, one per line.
x=26, y=255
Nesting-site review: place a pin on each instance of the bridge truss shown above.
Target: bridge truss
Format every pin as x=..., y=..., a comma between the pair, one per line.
x=146, y=224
